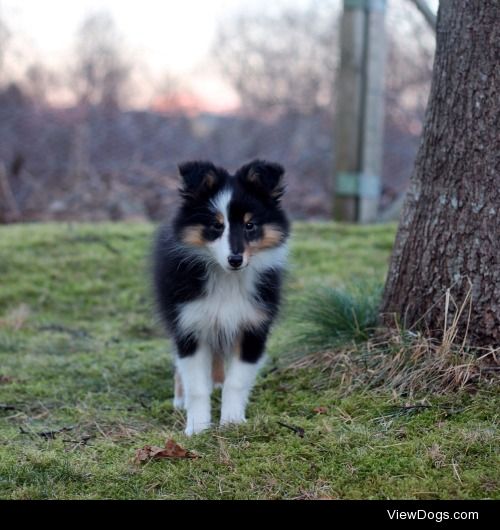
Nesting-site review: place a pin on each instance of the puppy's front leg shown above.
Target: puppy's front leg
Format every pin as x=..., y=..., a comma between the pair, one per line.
x=240, y=378
x=195, y=372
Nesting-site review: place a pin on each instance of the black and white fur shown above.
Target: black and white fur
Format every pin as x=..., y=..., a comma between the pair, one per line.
x=217, y=277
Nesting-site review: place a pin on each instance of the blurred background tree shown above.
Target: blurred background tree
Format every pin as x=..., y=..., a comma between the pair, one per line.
x=102, y=71
x=281, y=63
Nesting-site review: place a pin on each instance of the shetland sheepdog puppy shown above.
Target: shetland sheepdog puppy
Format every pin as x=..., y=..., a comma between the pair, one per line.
x=218, y=271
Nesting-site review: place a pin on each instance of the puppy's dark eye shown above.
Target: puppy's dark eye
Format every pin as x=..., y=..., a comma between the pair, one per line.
x=250, y=226
x=218, y=226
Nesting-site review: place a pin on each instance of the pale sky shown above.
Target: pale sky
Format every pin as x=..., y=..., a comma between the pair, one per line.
x=171, y=36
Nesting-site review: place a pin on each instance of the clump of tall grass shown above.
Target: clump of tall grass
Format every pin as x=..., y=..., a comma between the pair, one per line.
x=357, y=354
x=330, y=317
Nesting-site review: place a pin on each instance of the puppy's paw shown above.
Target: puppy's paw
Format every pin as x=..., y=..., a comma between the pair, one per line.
x=196, y=428
x=234, y=417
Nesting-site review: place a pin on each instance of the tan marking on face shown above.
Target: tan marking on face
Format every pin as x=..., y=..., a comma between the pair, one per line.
x=220, y=217
x=217, y=369
x=247, y=218
x=193, y=235
x=179, y=389
x=253, y=176
x=271, y=238
x=210, y=179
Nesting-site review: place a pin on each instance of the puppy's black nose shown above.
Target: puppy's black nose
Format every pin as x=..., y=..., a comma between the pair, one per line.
x=235, y=260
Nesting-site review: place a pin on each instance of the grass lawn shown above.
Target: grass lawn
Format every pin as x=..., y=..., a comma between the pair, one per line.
x=86, y=380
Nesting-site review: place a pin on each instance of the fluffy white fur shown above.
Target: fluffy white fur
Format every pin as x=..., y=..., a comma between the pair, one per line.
x=219, y=315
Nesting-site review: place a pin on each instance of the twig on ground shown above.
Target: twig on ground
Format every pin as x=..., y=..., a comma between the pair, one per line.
x=48, y=435
x=297, y=430
x=75, y=333
x=4, y=406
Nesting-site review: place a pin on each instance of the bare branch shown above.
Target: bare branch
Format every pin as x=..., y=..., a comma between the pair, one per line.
x=427, y=12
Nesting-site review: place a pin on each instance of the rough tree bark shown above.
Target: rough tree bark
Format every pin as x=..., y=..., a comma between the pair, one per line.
x=449, y=232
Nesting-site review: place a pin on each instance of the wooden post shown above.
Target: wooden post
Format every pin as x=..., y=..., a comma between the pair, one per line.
x=360, y=111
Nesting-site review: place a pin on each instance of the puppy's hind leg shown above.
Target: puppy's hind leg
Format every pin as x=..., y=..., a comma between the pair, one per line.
x=178, y=392
x=218, y=369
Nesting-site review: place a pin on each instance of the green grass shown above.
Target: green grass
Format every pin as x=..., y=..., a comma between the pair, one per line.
x=79, y=350
x=330, y=317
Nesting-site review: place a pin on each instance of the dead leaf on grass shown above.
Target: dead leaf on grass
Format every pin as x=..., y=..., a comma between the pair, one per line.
x=320, y=410
x=171, y=450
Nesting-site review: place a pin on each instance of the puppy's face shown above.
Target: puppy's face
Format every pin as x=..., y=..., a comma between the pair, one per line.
x=237, y=220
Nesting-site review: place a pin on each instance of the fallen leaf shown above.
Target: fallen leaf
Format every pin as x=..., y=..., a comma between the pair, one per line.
x=171, y=450
x=320, y=410
x=141, y=455
x=5, y=379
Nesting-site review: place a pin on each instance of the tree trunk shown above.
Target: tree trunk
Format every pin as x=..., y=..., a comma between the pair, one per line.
x=449, y=232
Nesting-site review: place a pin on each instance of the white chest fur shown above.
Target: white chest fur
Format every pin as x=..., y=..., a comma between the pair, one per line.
x=227, y=306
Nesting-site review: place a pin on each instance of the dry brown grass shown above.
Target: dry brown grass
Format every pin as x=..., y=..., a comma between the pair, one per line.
x=16, y=318
x=410, y=362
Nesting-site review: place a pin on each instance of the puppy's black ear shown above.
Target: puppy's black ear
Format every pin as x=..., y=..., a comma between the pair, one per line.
x=200, y=178
x=264, y=177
